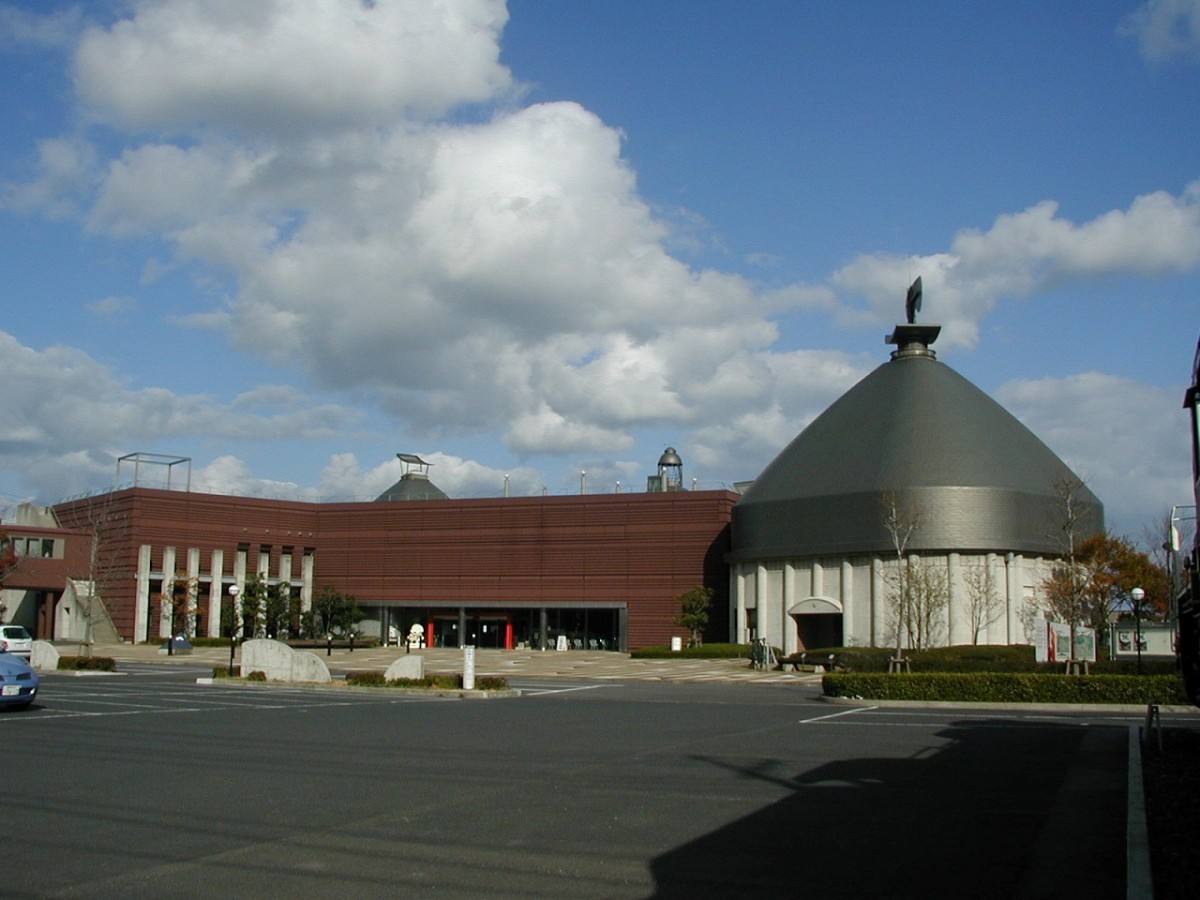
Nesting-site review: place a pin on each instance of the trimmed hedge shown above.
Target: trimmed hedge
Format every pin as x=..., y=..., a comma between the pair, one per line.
x=375, y=678
x=1007, y=687
x=87, y=664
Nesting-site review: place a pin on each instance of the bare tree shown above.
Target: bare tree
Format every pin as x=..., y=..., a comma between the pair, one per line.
x=1067, y=586
x=901, y=519
x=984, y=603
x=101, y=523
x=928, y=590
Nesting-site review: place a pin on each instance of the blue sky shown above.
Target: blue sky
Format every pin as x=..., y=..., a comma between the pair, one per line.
x=288, y=240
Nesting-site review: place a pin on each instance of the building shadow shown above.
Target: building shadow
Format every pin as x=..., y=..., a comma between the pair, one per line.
x=1004, y=809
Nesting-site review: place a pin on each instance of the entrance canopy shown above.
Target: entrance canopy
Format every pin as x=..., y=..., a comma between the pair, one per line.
x=815, y=606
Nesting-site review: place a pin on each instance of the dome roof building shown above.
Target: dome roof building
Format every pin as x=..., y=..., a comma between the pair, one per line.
x=978, y=499
x=414, y=483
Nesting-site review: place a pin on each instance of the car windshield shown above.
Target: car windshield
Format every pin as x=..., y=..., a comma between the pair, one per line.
x=16, y=632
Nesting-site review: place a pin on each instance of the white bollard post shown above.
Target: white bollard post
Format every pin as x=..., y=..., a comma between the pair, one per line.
x=468, y=668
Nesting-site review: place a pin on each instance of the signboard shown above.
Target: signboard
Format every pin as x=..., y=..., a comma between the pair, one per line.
x=1156, y=640
x=1058, y=638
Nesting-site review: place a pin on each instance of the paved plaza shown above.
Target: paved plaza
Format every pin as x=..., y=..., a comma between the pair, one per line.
x=510, y=664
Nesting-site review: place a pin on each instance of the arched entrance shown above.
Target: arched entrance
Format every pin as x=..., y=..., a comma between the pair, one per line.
x=818, y=623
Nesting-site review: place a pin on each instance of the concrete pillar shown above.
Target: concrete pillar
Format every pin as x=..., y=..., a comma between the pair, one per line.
x=958, y=623
x=141, y=601
x=164, y=603
x=1012, y=596
x=878, y=603
x=760, y=601
x=846, y=596
x=787, y=631
x=215, y=590
x=306, y=581
x=193, y=600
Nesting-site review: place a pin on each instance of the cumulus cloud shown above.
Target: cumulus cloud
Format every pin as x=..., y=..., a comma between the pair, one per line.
x=290, y=65
x=1024, y=252
x=1125, y=439
x=344, y=478
x=388, y=218
x=20, y=27
x=1165, y=30
x=68, y=418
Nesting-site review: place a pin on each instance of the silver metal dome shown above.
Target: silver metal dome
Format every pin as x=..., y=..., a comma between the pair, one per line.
x=916, y=429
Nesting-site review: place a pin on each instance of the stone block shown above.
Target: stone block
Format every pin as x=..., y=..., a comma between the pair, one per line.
x=44, y=656
x=279, y=662
x=407, y=666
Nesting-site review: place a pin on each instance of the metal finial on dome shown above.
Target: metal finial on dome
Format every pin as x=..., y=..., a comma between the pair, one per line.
x=913, y=339
x=912, y=303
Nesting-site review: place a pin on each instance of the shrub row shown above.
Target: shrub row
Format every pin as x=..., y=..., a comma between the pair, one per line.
x=1007, y=687
x=375, y=678
x=87, y=663
x=978, y=658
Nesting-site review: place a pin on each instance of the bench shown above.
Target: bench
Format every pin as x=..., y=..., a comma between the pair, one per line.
x=796, y=660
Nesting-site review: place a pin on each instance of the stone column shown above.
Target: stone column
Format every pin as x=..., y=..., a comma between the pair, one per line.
x=954, y=600
x=168, y=582
x=141, y=602
x=787, y=642
x=846, y=596
x=193, y=597
x=216, y=588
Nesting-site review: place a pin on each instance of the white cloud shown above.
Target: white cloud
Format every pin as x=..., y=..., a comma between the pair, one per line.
x=497, y=272
x=345, y=479
x=1127, y=440
x=291, y=65
x=66, y=176
x=112, y=306
x=67, y=418
x=20, y=27
x=1165, y=30
x=1023, y=253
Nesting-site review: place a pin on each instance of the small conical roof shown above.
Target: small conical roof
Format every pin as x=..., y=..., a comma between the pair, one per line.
x=413, y=486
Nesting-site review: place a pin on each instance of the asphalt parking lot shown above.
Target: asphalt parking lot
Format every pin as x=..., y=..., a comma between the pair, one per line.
x=146, y=784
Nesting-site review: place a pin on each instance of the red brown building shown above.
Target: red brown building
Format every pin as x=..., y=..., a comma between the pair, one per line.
x=598, y=571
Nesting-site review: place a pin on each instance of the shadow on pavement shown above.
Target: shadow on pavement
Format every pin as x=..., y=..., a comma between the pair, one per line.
x=1006, y=809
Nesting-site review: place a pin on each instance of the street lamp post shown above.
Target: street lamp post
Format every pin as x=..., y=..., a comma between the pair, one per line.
x=233, y=617
x=1137, y=595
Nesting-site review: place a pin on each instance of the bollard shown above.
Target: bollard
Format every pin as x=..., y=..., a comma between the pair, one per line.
x=329, y=643
x=468, y=668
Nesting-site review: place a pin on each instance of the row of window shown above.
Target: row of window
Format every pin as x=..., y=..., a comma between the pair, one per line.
x=34, y=547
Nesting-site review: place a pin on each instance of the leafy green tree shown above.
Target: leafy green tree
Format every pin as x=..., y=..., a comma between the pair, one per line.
x=333, y=613
x=694, y=604
x=276, y=608
x=254, y=606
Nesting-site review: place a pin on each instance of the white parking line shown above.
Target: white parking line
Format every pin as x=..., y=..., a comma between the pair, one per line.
x=844, y=712
x=538, y=691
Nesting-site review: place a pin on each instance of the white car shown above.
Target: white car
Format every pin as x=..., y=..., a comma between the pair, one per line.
x=16, y=640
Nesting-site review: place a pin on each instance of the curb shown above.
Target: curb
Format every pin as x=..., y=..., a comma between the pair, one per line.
x=356, y=689
x=1139, y=881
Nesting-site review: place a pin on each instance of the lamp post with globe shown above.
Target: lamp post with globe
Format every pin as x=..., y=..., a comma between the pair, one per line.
x=234, y=591
x=1137, y=595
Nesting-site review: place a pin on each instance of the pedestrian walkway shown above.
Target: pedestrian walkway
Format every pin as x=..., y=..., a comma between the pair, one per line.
x=509, y=664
